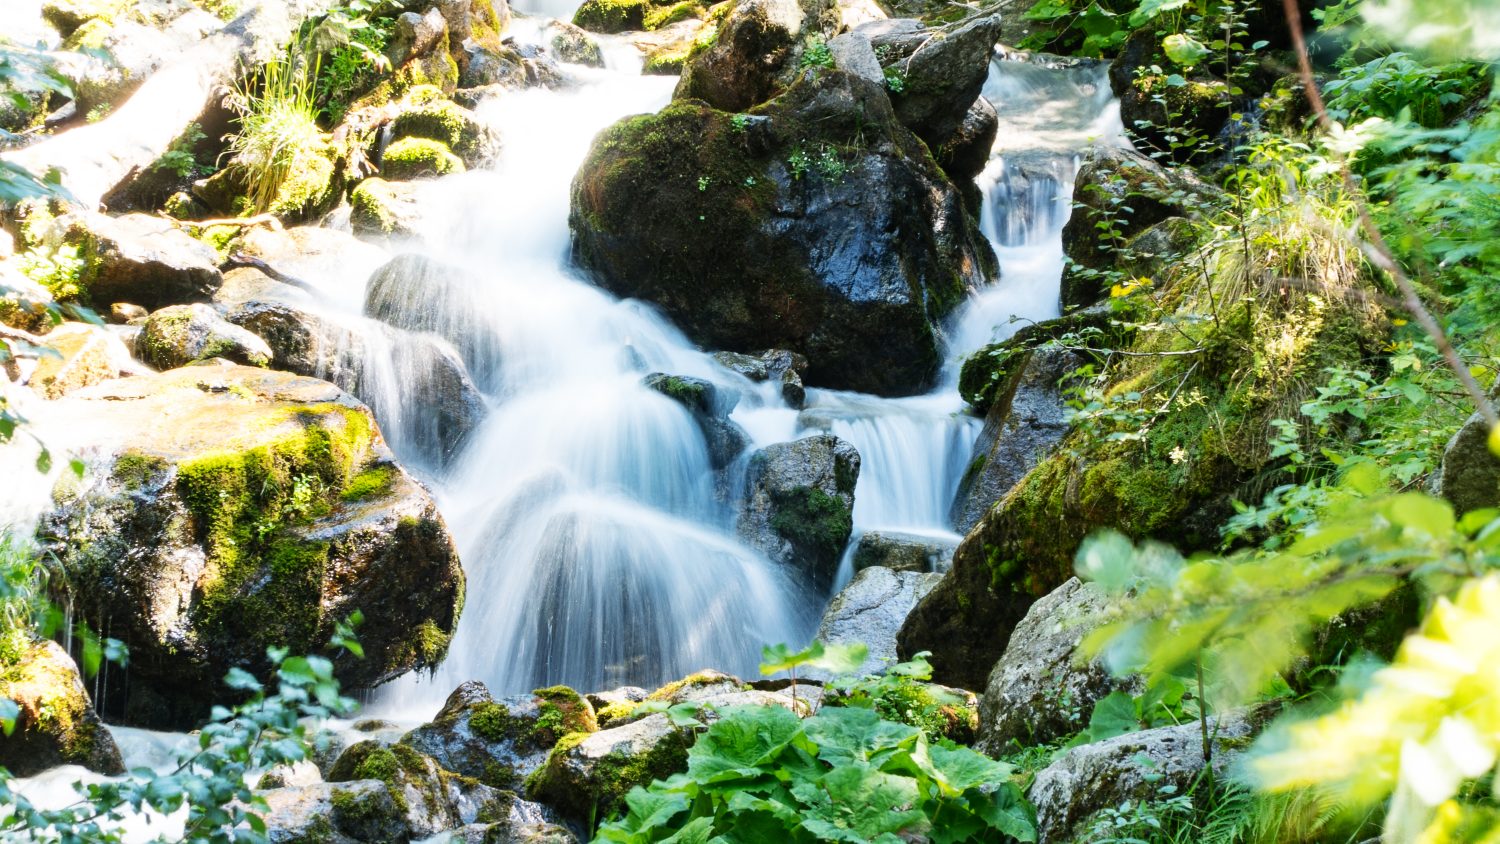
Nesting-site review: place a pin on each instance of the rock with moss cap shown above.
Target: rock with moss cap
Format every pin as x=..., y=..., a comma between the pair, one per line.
x=417, y=158
x=777, y=366
x=136, y=258
x=1470, y=473
x=231, y=509
x=588, y=774
x=615, y=16
x=183, y=334
x=426, y=113
x=432, y=799
x=710, y=408
x=942, y=77
x=757, y=52
x=56, y=724
x=383, y=209
x=817, y=224
x=573, y=44
x=362, y=812
x=800, y=503
x=500, y=742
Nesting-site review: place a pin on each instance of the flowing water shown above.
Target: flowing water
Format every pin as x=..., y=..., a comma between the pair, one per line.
x=584, y=505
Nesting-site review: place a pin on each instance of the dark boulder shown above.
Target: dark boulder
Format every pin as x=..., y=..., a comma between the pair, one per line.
x=800, y=503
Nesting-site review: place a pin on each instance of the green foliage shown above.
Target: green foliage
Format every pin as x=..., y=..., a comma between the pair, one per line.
x=895, y=80
x=1401, y=86
x=844, y=774
x=24, y=70
x=1163, y=703
x=58, y=269
x=179, y=157
x=211, y=781
x=352, y=46
x=278, y=137
x=902, y=694
x=816, y=54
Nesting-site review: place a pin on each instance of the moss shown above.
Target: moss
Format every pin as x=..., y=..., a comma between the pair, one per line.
x=562, y=711
x=615, y=714
x=813, y=520
x=262, y=585
x=436, y=119
x=492, y=722
x=353, y=812
x=51, y=703
x=412, y=158
x=311, y=189
x=368, y=206
x=611, y=16
x=691, y=681
x=498, y=775
x=666, y=15
x=988, y=373
x=665, y=62
x=371, y=483
x=318, y=831
x=610, y=778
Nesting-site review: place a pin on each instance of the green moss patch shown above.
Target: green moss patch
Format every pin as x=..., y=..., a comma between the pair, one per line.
x=813, y=520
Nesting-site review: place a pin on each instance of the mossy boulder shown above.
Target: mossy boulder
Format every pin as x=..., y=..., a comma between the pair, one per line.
x=777, y=366
x=361, y=812
x=800, y=503
x=710, y=408
x=183, y=334
x=756, y=52
x=573, y=45
x=382, y=209
x=615, y=16
x=1174, y=474
x=57, y=724
x=218, y=522
x=425, y=113
x=588, y=774
x=942, y=77
x=135, y=258
x=1470, y=473
x=1119, y=196
x=816, y=223
x=416, y=158
x=500, y=742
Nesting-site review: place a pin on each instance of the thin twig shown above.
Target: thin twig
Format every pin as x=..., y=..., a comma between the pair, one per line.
x=244, y=222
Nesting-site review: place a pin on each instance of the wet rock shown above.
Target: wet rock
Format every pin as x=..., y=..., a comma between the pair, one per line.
x=967, y=151
x=1108, y=181
x=363, y=812
x=573, y=44
x=614, y=707
x=382, y=209
x=943, y=77
x=427, y=370
x=106, y=61
x=587, y=775
x=138, y=258
x=183, y=334
x=82, y=355
x=775, y=365
x=755, y=54
x=1084, y=780
x=710, y=408
x=57, y=724
x=870, y=610
x=818, y=225
x=667, y=48
x=243, y=285
x=1043, y=688
x=491, y=70
x=1470, y=473
x=234, y=509
x=800, y=504
x=419, y=294
x=417, y=35
x=430, y=799
x=1027, y=418
x=500, y=742
x=902, y=551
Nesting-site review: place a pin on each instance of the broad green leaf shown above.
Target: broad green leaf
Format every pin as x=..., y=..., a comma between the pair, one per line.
x=1149, y=9
x=9, y=712
x=856, y=803
x=741, y=741
x=848, y=735
x=1114, y=715
x=1184, y=49
x=697, y=831
x=1006, y=809
x=962, y=769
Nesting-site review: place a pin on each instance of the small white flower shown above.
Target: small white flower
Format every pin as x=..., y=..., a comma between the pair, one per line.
x=1179, y=455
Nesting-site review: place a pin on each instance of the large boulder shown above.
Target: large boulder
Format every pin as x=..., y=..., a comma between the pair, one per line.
x=755, y=55
x=380, y=209
x=799, y=507
x=1127, y=193
x=57, y=724
x=1069, y=793
x=375, y=363
x=870, y=611
x=500, y=742
x=588, y=774
x=425, y=114
x=182, y=334
x=942, y=77
x=232, y=509
x=80, y=355
x=137, y=258
x=710, y=408
x=818, y=224
x=1043, y=688
x=1027, y=418
x=363, y=812
x=1470, y=473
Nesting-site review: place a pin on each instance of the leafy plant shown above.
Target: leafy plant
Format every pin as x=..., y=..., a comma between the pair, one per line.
x=895, y=80
x=278, y=132
x=816, y=54
x=900, y=693
x=835, y=659
x=844, y=774
x=179, y=157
